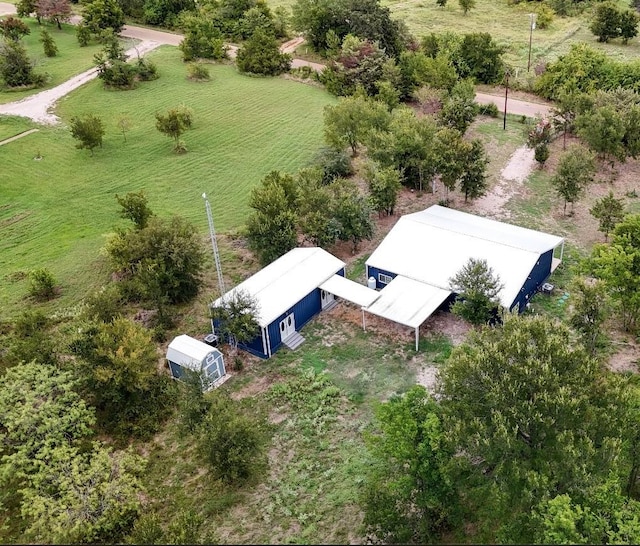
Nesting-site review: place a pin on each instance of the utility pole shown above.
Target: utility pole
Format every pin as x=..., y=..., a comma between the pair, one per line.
x=532, y=25
x=506, y=93
x=214, y=245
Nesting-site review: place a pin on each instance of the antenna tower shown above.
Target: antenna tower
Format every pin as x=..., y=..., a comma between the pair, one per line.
x=214, y=245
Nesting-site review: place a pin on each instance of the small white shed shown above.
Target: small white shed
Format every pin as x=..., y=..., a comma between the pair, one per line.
x=185, y=352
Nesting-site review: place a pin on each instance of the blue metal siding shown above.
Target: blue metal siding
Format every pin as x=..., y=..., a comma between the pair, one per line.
x=538, y=275
x=375, y=273
x=255, y=346
x=303, y=311
x=176, y=369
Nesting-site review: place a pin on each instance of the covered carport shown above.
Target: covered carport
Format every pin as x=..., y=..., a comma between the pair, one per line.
x=351, y=291
x=407, y=302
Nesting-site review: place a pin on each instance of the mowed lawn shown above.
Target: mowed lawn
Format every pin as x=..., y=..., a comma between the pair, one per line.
x=56, y=211
x=70, y=60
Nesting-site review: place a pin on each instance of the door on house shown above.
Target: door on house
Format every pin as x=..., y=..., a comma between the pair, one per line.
x=287, y=326
x=325, y=298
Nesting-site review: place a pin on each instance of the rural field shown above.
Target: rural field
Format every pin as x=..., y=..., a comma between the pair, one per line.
x=318, y=403
x=59, y=208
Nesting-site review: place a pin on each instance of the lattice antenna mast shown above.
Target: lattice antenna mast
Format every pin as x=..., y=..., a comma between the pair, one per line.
x=214, y=245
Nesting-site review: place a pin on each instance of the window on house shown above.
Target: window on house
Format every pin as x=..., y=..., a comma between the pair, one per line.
x=384, y=279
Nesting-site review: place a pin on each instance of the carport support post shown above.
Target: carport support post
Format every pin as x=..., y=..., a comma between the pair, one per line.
x=417, y=337
x=364, y=325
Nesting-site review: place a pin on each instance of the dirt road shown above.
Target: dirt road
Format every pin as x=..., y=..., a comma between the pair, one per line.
x=515, y=106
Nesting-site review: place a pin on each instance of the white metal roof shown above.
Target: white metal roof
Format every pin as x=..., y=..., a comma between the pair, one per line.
x=407, y=301
x=283, y=283
x=189, y=352
x=350, y=291
x=431, y=246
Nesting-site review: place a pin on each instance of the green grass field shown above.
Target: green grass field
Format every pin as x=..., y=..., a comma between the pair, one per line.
x=56, y=211
x=71, y=59
x=507, y=23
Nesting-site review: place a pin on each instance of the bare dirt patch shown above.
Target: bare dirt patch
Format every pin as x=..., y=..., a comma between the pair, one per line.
x=428, y=378
x=257, y=386
x=447, y=324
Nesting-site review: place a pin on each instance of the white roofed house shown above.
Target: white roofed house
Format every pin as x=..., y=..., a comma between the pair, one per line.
x=288, y=295
x=415, y=261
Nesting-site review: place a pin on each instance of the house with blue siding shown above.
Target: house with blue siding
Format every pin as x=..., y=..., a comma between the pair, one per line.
x=288, y=296
x=432, y=245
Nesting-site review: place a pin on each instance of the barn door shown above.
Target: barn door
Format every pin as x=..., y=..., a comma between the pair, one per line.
x=325, y=298
x=287, y=326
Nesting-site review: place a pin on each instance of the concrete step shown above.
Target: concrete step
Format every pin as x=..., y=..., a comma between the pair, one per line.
x=293, y=341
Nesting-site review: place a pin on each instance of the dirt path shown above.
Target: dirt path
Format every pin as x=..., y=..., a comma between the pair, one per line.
x=19, y=135
x=36, y=107
x=512, y=176
x=515, y=106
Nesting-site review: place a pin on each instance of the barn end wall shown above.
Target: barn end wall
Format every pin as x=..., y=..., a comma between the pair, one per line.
x=375, y=273
x=538, y=275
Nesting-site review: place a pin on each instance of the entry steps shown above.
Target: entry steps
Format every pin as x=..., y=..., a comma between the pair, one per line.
x=293, y=341
x=330, y=306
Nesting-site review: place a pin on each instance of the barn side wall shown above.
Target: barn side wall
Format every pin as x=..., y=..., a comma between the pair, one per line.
x=303, y=311
x=538, y=275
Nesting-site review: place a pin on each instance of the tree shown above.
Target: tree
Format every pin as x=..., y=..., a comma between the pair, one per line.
x=605, y=21
x=408, y=495
x=628, y=24
x=84, y=497
x=135, y=207
x=617, y=265
x=124, y=124
x=451, y=152
x=15, y=67
x=13, y=29
x=174, y=123
x=348, y=122
x=603, y=129
x=576, y=170
x=384, y=185
x=467, y=5
x=56, y=11
x=41, y=411
x=609, y=211
x=271, y=229
x=99, y=15
x=459, y=109
x=352, y=212
x=477, y=290
x=525, y=406
x=166, y=12
x=25, y=8
x=202, y=39
x=480, y=58
x=88, y=130
x=161, y=262
x=407, y=144
x=334, y=163
x=473, y=182
x=231, y=443
x=541, y=154
x=564, y=113
x=237, y=317
x=589, y=311
x=314, y=207
x=48, y=44
x=261, y=54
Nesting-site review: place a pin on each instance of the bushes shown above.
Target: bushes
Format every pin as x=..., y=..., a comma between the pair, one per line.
x=261, y=55
x=42, y=284
x=198, y=72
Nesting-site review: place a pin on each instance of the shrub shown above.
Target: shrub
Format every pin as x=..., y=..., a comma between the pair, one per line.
x=42, y=284
x=146, y=70
x=49, y=46
x=198, y=72
x=544, y=16
x=490, y=110
x=231, y=443
x=83, y=34
x=334, y=164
